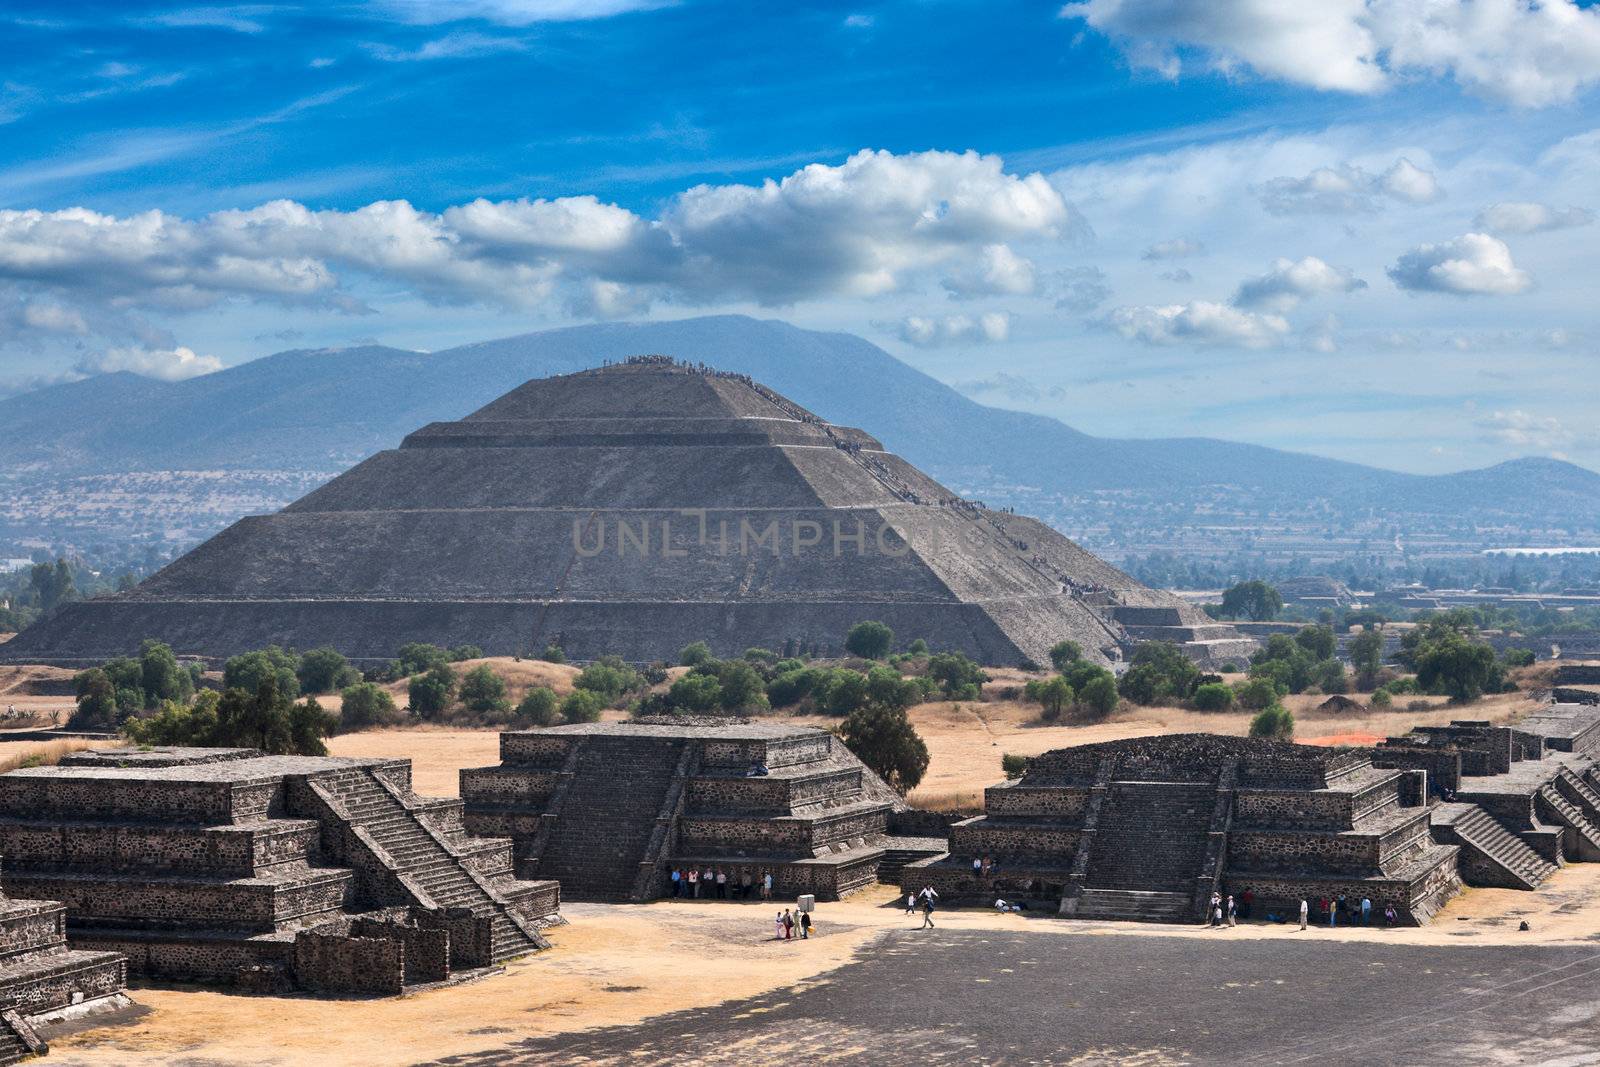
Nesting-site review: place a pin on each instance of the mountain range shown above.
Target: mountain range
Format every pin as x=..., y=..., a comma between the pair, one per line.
x=325, y=409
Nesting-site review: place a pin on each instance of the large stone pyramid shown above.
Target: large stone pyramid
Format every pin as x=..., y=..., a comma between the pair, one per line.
x=631, y=509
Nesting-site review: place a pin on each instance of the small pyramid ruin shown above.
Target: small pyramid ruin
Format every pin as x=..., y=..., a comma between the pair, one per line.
x=631, y=509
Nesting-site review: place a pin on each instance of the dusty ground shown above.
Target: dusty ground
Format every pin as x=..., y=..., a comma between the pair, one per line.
x=618, y=965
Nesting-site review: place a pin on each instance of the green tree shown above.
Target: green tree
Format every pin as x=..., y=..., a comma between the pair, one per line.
x=1366, y=656
x=610, y=677
x=419, y=657
x=1458, y=666
x=539, y=707
x=1258, y=693
x=694, y=654
x=884, y=739
x=741, y=687
x=1055, y=696
x=483, y=691
x=1317, y=640
x=553, y=653
x=918, y=647
x=1159, y=673
x=696, y=693
x=309, y=724
x=366, y=704
x=1254, y=600
x=97, y=700
x=1063, y=654
x=957, y=676
x=1013, y=765
x=161, y=677
x=432, y=693
x=582, y=705
x=869, y=640
x=1273, y=721
x=792, y=686
x=1099, y=695
x=843, y=692
x=248, y=670
x=325, y=670
x=1329, y=676
x=1517, y=657
x=1213, y=696
x=52, y=585
x=462, y=653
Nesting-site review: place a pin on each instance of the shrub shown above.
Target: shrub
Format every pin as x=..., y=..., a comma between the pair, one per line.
x=462, y=653
x=792, y=686
x=1258, y=693
x=654, y=673
x=764, y=656
x=957, y=676
x=1014, y=765
x=539, y=707
x=1213, y=696
x=696, y=692
x=324, y=670
x=741, y=687
x=1054, y=696
x=419, y=657
x=1381, y=698
x=1065, y=653
x=918, y=647
x=582, y=705
x=160, y=676
x=430, y=694
x=1330, y=677
x=553, y=653
x=248, y=670
x=870, y=640
x=483, y=691
x=365, y=704
x=610, y=677
x=1098, y=696
x=1517, y=657
x=1159, y=673
x=694, y=654
x=97, y=700
x=1273, y=721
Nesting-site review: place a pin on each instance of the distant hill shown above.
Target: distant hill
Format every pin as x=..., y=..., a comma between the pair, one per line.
x=325, y=409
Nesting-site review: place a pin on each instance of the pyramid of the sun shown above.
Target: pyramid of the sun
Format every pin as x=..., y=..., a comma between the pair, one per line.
x=631, y=509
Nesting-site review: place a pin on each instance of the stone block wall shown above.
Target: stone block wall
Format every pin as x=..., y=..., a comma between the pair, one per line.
x=337, y=963
x=1049, y=802
x=425, y=949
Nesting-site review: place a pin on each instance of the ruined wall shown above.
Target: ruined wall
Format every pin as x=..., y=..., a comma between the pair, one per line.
x=335, y=963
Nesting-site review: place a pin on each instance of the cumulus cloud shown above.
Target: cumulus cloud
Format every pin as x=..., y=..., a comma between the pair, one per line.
x=1523, y=217
x=871, y=225
x=1288, y=282
x=1200, y=323
x=1472, y=264
x=998, y=272
x=1175, y=248
x=1523, y=430
x=1348, y=190
x=1529, y=53
x=936, y=331
x=1079, y=289
x=170, y=365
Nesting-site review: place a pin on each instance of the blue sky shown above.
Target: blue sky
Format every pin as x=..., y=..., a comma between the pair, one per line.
x=1360, y=228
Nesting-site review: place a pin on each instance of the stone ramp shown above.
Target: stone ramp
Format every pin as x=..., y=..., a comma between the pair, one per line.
x=1490, y=853
x=620, y=785
x=1151, y=837
x=425, y=858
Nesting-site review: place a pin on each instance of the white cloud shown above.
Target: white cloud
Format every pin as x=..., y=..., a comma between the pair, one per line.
x=169, y=365
x=1200, y=323
x=1348, y=190
x=1520, y=429
x=1288, y=282
x=1530, y=53
x=1174, y=248
x=1472, y=264
x=512, y=12
x=859, y=21
x=998, y=272
x=877, y=223
x=451, y=46
x=1079, y=289
x=1524, y=217
x=936, y=331
x=53, y=318
x=240, y=18
x=1012, y=387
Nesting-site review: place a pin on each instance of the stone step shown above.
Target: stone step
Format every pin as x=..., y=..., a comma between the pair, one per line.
x=1135, y=906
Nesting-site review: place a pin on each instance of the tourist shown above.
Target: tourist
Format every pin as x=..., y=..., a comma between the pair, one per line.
x=986, y=866
x=766, y=886
x=927, y=910
x=1366, y=911
x=777, y=924
x=677, y=881
x=708, y=878
x=1216, y=915
x=805, y=926
x=1305, y=910
x=977, y=866
x=1389, y=917
x=911, y=903
x=694, y=881
x=929, y=893
x=1246, y=899
x=722, y=884
x=1233, y=911
x=788, y=925
x=744, y=884
x=1214, y=909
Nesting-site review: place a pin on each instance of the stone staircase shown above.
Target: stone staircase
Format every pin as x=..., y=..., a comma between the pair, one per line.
x=1132, y=905
x=620, y=786
x=1151, y=837
x=1476, y=829
x=1584, y=835
x=425, y=856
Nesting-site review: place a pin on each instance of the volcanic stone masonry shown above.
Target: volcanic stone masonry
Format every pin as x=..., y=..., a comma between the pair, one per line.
x=225, y=866
x=1148, y=828
x=630, y=510
x=609, y=809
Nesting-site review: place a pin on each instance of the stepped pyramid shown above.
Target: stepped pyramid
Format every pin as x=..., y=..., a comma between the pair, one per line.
x=631, y=509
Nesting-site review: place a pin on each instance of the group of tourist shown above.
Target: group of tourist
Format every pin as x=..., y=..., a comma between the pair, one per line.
x=984, y=866
x=1342, y=909
x=788, y=922
x=717, y=882
x=923, y=900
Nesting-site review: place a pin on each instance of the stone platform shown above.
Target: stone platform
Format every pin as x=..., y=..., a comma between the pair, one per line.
x=1149, y=828
x=611, y=808
x=39, y=974
x=228, y=866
